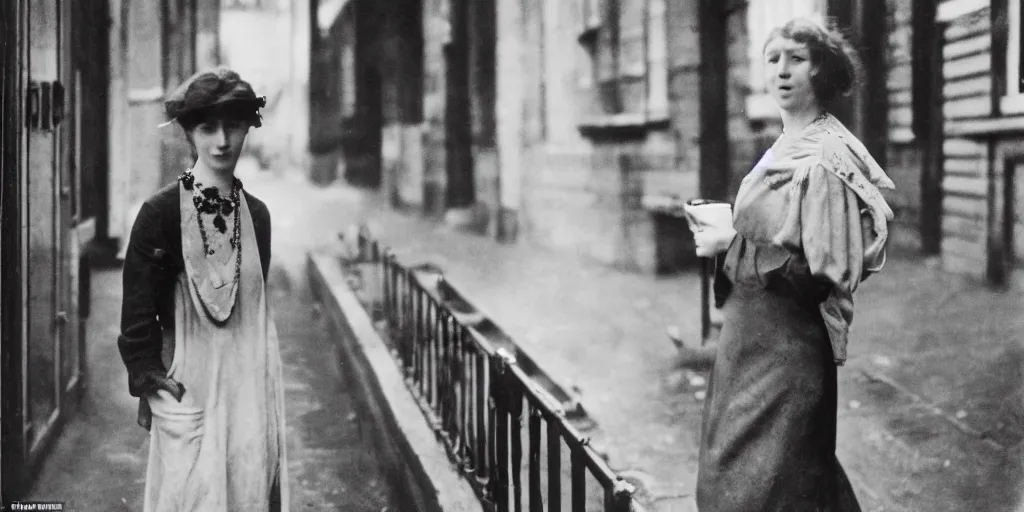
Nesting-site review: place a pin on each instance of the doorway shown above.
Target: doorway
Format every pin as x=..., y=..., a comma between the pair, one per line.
x=461, y=190
x=42, y=370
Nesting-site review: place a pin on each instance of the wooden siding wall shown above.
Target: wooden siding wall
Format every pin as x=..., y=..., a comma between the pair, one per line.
x=967, y=94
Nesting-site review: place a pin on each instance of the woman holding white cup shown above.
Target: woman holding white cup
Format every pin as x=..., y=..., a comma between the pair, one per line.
x=809, y=225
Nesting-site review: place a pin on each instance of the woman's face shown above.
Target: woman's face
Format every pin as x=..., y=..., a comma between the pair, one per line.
x=218, y=141
x=788, y=71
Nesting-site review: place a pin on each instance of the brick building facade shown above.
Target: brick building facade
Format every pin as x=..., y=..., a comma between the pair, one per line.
x=555, y=123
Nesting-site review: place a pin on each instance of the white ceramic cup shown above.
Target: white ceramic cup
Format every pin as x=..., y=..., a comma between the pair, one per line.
x=709, y=215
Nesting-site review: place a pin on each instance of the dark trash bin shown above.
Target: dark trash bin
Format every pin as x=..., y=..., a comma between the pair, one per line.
x=673, y=241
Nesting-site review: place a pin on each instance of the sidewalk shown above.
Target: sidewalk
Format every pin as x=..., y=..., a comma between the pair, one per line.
x=931, y=403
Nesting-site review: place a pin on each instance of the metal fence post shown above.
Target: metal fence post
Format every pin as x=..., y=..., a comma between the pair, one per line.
x=705, y=300
x=499, y=396
x=622, y=499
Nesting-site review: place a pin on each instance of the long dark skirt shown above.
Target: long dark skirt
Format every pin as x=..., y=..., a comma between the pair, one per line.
x=768, y=436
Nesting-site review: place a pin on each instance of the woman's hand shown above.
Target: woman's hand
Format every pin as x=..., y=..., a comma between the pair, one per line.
x=151, y=380
x=712, y=241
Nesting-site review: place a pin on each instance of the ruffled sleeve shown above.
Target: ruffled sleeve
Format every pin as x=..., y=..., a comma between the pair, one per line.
x=827, y=223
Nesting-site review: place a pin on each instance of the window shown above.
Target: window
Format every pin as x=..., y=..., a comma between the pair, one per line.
x=762, y=17
x=1013, y=101
x=626, y=42
x=347, y=64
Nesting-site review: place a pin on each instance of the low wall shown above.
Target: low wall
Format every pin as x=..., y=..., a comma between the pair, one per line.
x=415, y=457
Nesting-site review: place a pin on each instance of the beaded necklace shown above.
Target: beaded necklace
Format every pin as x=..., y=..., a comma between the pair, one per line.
x=209, y=200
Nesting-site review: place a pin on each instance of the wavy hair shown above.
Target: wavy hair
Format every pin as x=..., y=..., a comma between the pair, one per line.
x=835, y=59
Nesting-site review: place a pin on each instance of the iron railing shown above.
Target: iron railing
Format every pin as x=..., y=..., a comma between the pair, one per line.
x=477, y=396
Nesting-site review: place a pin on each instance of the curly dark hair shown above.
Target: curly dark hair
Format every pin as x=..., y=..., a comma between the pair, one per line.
x=235, y=111
x=837, y=62
x=219, y=92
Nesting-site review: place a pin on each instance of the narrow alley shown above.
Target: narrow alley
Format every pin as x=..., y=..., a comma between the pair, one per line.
x=520, y=167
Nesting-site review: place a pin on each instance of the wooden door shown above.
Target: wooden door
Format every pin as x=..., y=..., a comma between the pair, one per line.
x=42, y=351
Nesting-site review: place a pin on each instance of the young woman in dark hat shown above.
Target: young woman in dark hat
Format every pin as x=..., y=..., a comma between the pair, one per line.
x=810, y=223
x=196, y=335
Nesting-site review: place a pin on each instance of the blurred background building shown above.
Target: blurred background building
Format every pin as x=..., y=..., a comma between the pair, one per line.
x=556, y=123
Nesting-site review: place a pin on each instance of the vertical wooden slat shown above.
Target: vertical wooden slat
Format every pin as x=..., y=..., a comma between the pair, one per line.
x=448, y=369
x=500, y=438
x=536, y=496
x=578, y=474
x=421, y=328
x=439, y=366
x=480, y=391
x=458, y=390
x=464, y=379
x=407, y=320
x=516, y=426
x=431, y=355
x=385, y=290
x=554, y=466
x=414, y=320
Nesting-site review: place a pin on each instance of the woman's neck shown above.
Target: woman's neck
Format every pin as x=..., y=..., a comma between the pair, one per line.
x=213, y=178
x=794, y=122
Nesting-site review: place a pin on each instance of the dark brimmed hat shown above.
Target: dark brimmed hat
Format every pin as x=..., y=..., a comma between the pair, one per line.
x=218, y=88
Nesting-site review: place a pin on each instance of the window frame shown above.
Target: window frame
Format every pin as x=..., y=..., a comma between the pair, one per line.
x=348, y=73
x=242, y=5
x=1012, y=100
x=599, y=30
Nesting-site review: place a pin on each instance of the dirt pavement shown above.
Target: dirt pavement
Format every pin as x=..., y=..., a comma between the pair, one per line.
x=931, y=401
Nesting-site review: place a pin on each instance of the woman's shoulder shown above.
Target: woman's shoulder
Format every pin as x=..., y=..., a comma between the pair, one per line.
x=256, y=206
x=833, y=144
x=164, y=201
x=839, y=145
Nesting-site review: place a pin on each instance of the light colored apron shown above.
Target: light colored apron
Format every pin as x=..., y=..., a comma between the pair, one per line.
x=223, y=447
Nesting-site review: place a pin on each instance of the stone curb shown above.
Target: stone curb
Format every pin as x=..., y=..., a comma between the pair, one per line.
x=434, y=481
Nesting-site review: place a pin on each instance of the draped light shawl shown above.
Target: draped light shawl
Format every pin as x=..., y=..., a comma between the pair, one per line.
x=824, y=191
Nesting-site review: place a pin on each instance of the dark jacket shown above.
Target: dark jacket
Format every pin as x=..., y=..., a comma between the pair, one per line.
x=151, y=265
